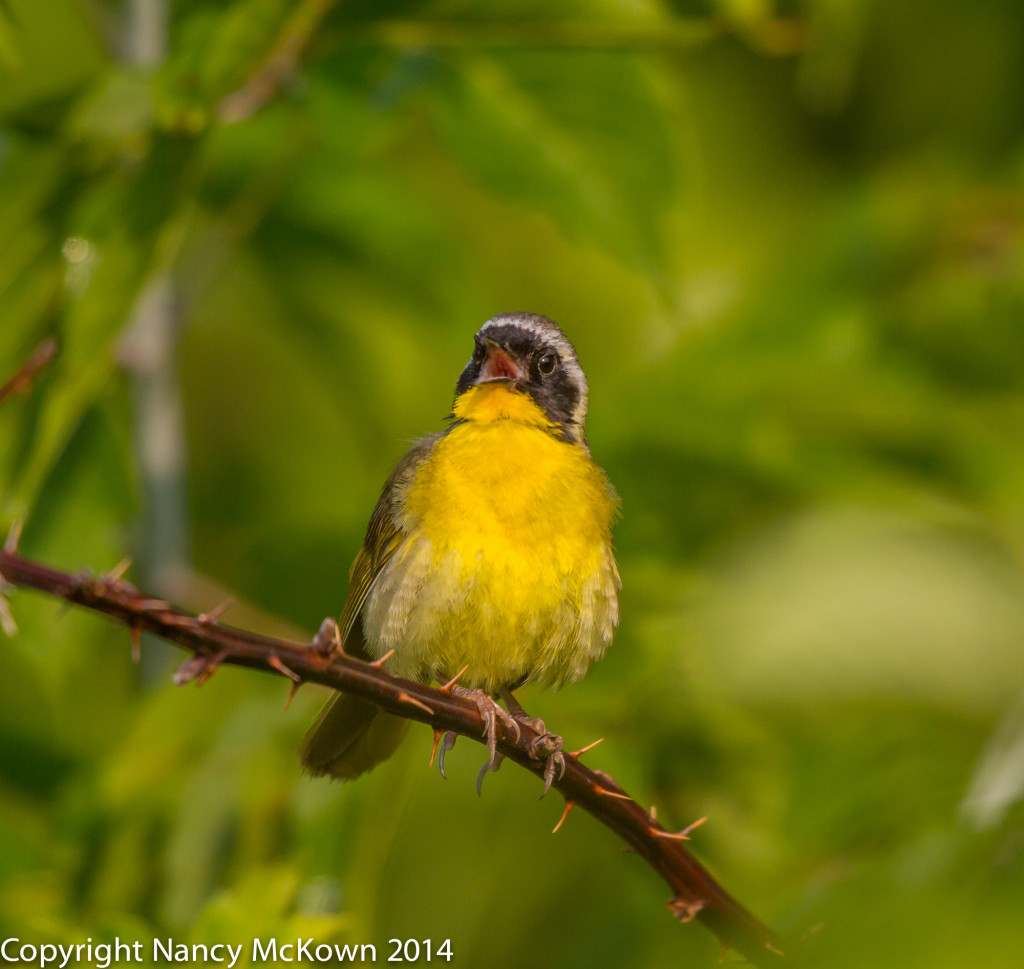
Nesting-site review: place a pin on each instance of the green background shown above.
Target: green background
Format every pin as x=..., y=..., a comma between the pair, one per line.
x=788, y=241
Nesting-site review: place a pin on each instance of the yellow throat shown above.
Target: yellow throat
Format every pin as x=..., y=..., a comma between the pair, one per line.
x=496, y=401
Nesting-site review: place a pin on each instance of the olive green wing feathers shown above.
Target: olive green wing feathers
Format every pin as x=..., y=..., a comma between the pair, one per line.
x=351, y=735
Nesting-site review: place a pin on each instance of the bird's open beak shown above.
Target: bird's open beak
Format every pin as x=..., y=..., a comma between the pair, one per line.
x=498, y=365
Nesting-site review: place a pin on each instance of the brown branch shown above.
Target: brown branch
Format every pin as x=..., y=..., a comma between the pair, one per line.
x=695, y=893
x=22, y=379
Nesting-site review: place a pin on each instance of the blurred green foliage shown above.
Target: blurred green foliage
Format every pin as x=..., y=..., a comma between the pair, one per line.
x=788, y=241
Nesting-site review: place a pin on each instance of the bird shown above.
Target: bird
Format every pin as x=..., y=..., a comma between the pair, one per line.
x=488, y=557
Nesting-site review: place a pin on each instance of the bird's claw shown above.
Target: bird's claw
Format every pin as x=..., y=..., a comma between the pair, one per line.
x=556, y=762
x=447, y=742
x=490, y=713
x=489, y=765
x=548, y=747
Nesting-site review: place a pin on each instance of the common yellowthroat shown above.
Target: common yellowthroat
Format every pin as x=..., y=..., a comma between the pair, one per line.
x=490, y=547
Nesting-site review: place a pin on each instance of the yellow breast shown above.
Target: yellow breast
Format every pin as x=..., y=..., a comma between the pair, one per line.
x=508, y=564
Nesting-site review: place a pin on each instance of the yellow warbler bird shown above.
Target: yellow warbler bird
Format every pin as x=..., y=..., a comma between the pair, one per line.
x=490, y=548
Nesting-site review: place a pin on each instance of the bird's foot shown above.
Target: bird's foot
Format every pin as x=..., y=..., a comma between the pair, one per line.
x=491, y=713
x=327, y=640
x=546, y=746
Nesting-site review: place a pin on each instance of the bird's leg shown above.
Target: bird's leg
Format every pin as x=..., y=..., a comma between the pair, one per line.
x=545, y=746
x=491, y=713
x=517, y=711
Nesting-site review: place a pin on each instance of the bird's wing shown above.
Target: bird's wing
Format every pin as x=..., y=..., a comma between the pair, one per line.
x=383, y=538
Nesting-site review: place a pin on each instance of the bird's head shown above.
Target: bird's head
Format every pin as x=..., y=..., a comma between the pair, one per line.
x=525, y=355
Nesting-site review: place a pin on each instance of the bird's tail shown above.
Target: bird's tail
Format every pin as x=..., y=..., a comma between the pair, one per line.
x=350, y=737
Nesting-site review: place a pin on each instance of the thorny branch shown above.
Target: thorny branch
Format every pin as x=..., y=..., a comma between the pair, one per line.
x=695, y=893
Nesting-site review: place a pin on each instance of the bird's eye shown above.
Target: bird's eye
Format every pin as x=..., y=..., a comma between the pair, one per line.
x=547, y=363
x=478, y=351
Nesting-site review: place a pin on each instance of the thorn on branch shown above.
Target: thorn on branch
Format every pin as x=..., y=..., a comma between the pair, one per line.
x=14, y=536
x=598, y=789
x=685, y=910
x=169, y=616
x=683, y=835
x=438, y=734
x=211, y=617
x=447, y=688
x=190, y=669
x=576, y=754
x=569, y=805
x=274, y=660
x=378, y=663
x=405, y=698
x=668, y=835
x=114, y=576
x=696, y=824
x=199, y=668
x=291, y=695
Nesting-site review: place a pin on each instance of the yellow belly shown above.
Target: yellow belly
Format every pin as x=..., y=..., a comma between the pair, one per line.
x=507, y=566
